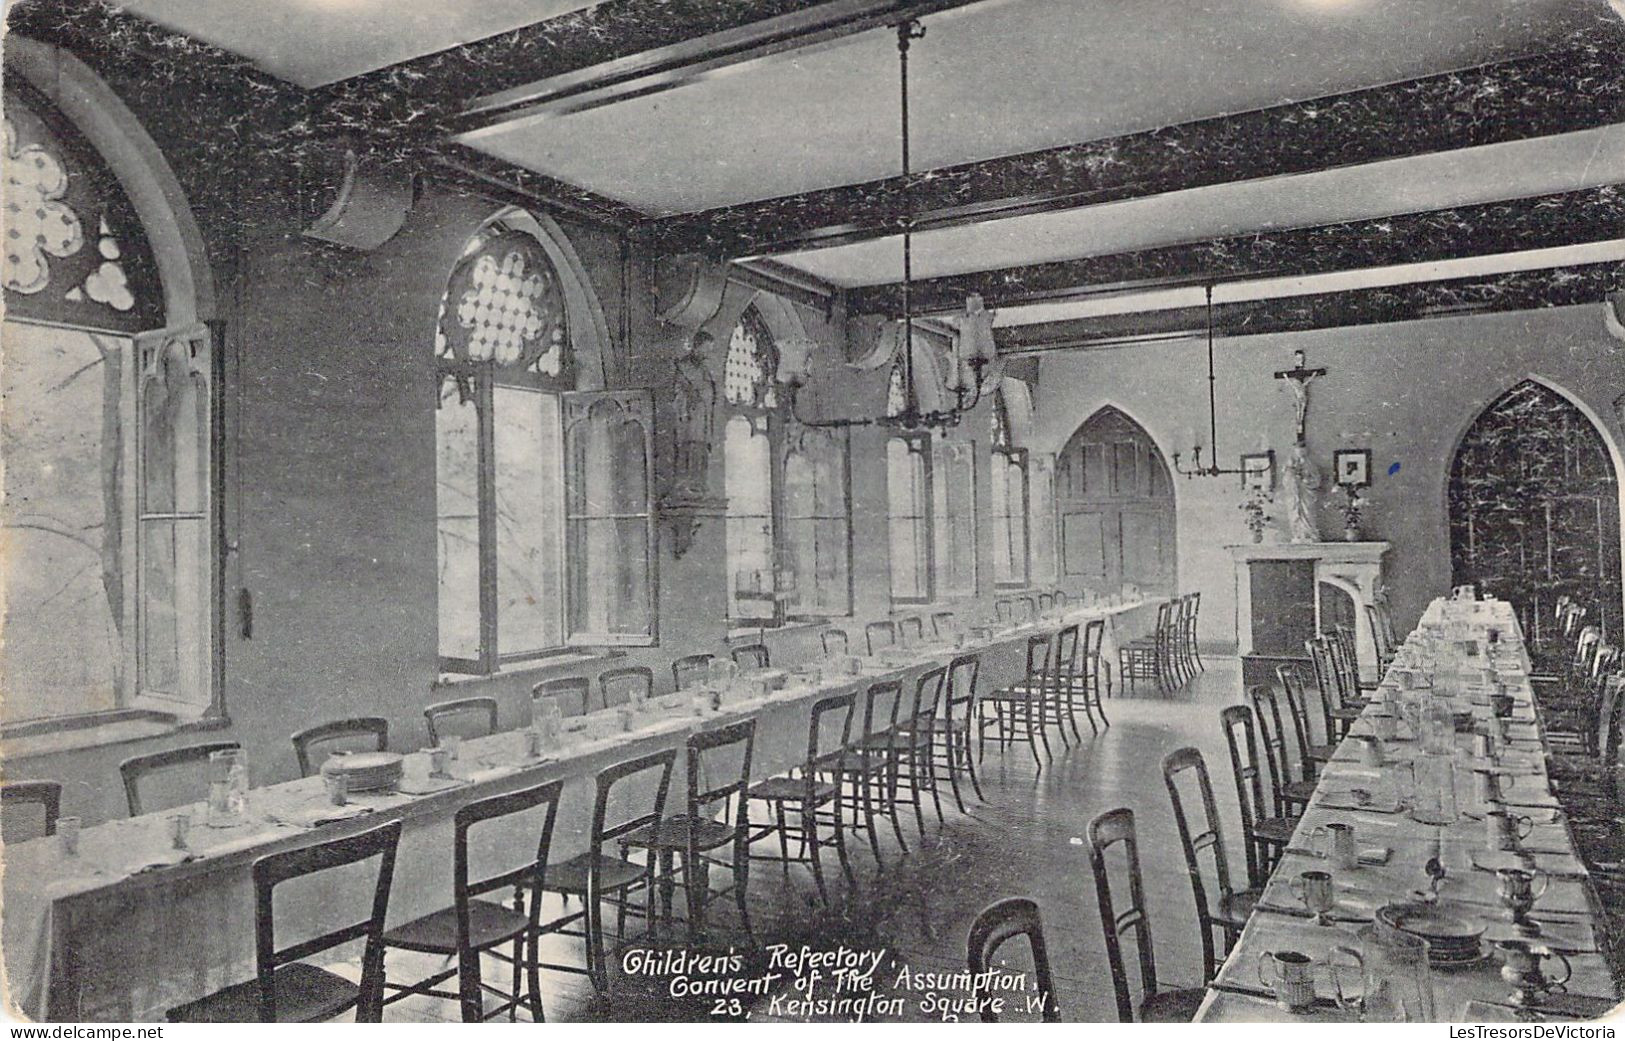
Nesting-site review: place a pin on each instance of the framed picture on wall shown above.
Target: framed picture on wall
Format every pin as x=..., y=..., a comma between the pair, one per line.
x=1352, y=467
x=1258, y=470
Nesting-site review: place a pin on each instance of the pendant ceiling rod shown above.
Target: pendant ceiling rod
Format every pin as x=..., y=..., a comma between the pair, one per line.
x=1213, y=469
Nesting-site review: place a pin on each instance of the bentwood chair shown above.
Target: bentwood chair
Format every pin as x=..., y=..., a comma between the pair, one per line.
x=716, y=820
x=18, y=802
x=286, y=989
x=598, y=877
x=955, y=723
x=1262, y=836
x=623, y=686
x=1288, y=792
x=572, y=694
x=994, y=927
x=881, y=634
x=689, y=670
x=1227, y=911
x=1020, y=712
x=835, y=641
x=809, y=797
x=473, y=927
x=465, y=717
x=1115, y=828
x=362, y=732
x=752, y=656
x=916, y=770
x=192, y=758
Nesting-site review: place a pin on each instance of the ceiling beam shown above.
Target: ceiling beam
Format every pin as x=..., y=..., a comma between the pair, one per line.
x=1539, y=222
x=1577, y=87
x=1479, y=294
x=610, y=51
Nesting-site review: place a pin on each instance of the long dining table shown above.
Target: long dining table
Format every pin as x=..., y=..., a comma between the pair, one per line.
x=1443, y=663
x=129, y=926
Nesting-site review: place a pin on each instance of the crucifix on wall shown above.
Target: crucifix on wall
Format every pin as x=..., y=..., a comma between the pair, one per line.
x=1301, y=377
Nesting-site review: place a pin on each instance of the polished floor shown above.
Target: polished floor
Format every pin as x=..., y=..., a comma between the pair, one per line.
x=1027, y=840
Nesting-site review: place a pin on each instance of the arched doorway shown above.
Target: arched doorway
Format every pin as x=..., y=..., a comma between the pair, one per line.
x=1534, y=507
x=1115, y=498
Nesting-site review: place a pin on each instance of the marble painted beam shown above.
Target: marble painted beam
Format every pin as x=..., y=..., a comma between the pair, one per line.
x=1576, y=87
x=1539, y=222
x=1483, y=294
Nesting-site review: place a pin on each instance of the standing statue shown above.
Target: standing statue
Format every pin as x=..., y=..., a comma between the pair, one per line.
x=694, y=398
x=1303, y=486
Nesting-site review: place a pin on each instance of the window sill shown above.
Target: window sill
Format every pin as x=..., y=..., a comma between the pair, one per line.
x=54, y=737
x=800, y=625
x=536, y=667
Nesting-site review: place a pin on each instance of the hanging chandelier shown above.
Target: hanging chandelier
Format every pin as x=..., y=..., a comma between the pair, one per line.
x=1213, y=469
x=973, y=348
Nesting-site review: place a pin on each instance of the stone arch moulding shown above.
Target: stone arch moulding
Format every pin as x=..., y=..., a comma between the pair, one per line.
x=1598, y=420
x=1018, y=409
x=597, y=361
x=138, y=164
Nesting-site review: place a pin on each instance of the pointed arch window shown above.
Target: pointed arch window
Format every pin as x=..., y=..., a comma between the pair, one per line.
x=1011, y=556
x=544, y=528
x=109, y=515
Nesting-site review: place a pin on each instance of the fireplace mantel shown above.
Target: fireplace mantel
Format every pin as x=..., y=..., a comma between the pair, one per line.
x=1354, y=567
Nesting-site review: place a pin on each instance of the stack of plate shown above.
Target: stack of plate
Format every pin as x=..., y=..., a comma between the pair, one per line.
x=367, y=771
x=1450, y=929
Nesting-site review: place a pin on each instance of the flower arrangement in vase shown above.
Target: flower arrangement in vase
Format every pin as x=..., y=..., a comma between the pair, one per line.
x=1352, y=508
x=1255, y=509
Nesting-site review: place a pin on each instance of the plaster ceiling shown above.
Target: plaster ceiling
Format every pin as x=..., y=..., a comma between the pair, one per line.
x=1004, y=77
x=312, y=42
x=1565, y=162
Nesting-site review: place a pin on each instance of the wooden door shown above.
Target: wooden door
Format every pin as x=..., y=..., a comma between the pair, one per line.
x=1116, y=507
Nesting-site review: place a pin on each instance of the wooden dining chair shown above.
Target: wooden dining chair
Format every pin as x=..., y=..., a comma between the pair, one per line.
x=998, y=924
x=29, y=809
x=835, y=641
x=1046, y=602
x=1336, y=714
x=1020, y=712
x=1312, y=755
x=194, y=759
x=712, y=831
x=1289, y=793
x=1142, y=658
x=621, y=686
x=473, y=927
x=596, y=876
x=752, y=656
x=943, y=624
x=1227, y=911
x=1115, y=828
x=1087, y=684
x=464, y=717
x=1063, y=676
x=805, y=799
x=870, y=763
x=364, y=731
x=880, y=634
x=915, y=774
x=911, y=630
x=1263, y=836
x=955, y=723
x=573, y=694
x=287, y=989
x=1379, y=638
x=690, y=669
x=1004, y=610
x=1193, y=650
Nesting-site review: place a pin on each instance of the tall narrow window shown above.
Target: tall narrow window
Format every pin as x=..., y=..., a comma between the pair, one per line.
x=953, y=484
x=1010, y=551
x=818, y=523
x=908, y=491
x=108, y=498
x=760, y=582
x=1041, y=471
x=543, y=516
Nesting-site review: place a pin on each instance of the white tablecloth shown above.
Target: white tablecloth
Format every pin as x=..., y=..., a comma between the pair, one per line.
x=1567, y=905
x=93, y=938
